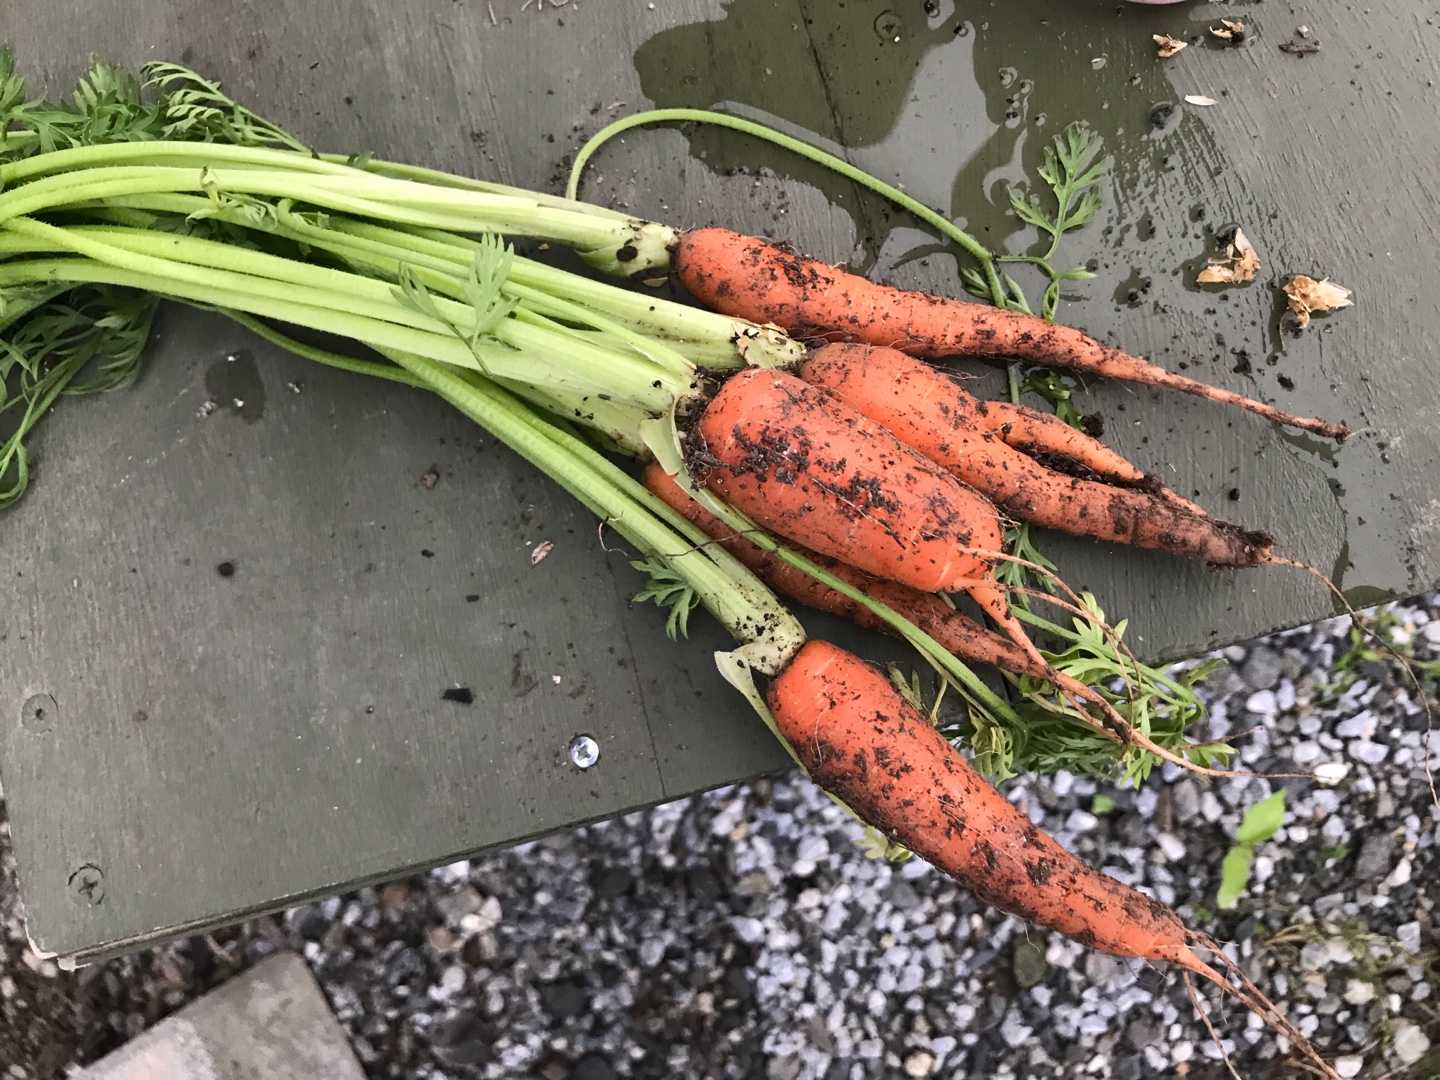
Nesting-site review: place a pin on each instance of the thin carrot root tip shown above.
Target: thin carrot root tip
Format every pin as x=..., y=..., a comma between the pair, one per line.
x=1235, y=983
x=765, y=282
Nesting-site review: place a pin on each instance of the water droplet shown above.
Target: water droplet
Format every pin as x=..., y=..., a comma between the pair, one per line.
x=1008, y=75
x=887, y=26
x=1099, y=62
x=964, y=30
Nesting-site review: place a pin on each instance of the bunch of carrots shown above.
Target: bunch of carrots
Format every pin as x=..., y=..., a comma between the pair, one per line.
x=855, y=477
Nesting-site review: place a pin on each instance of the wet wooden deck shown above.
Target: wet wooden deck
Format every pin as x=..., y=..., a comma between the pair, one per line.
x=213, y=746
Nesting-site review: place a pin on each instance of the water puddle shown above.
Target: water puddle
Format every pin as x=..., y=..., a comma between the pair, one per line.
x=958, y=102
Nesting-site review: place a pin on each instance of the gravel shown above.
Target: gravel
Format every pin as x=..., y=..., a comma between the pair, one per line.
x=741, y=933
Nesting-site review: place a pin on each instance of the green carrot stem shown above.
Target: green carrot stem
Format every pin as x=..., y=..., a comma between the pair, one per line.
x=941, y=224
x=373, y=332
x=703, y=337
x=374, y=368
x=577, y=364
x=398, y=201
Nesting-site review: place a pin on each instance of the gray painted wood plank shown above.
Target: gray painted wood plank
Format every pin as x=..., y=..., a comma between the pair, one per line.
x=257, y=775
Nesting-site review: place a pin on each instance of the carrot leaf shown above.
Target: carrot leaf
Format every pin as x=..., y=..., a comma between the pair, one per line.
x=1054, y=736
x=197, y=109
x=668, y=590
x=489, y=271
x=876, y=845
x=1072, y=167
x=84, y=342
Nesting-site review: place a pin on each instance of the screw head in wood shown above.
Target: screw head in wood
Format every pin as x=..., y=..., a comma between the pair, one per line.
x=584, y=751
x=38, y=713
x=87, y=884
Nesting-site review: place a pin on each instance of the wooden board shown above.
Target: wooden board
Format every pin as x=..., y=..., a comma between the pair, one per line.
x=213, y=746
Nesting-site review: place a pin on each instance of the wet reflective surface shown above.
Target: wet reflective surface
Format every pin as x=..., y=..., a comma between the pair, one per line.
x=957, y=100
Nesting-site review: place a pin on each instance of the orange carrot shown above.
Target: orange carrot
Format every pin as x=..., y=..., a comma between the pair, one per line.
x=809, y=468
x=860, y=740
x=765, y=282
x=960, y=635
x=931, y=413
x=806, y=466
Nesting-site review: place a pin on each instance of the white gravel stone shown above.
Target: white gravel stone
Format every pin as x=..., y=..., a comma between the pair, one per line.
x=1349, y=1065
x=913, y=869
x=1285, y=696
x=1359, y=726
x=1261, y=703
x=1370, y=753
x=1400, y=875
x=813, y=848
x=1171, y=845
x=750, y=931
x=1332, y=772
x=1408, y=935
x=1305, y=752
x=1013, y=1031
x=1411, y=1043
x=1359, y=992
x=1210, y=807
x=652, y=951
x=919, y=1063
x=1081, y=821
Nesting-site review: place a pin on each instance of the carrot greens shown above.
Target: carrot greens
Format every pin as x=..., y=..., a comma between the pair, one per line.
x=165, y=187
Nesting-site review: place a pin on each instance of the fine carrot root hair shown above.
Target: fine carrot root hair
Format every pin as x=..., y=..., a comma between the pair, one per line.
x=765, y=282
x=1235, y=983
x=1385, y=646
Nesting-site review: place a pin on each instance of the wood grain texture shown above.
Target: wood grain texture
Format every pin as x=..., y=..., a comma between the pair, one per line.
x=225, y=745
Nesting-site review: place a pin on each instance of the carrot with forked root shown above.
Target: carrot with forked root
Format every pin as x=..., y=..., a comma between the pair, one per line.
x=861, y=741
x=929, y=412
x=755, y=279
